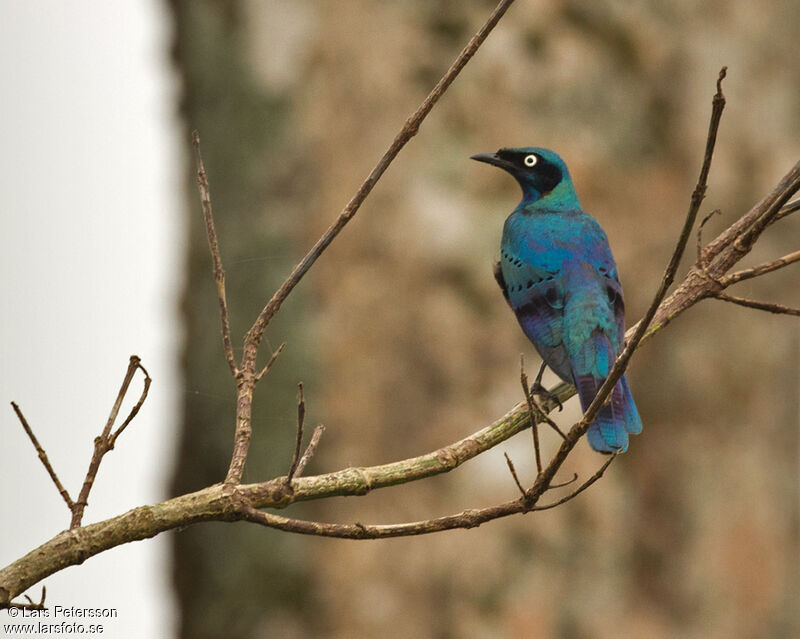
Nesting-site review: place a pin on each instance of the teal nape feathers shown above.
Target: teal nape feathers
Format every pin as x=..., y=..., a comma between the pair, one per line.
x=559, y=277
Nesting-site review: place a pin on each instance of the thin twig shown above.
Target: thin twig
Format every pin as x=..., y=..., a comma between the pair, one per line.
x=700, y=233
x=761, y=269
x=565, y=483
x=310, y=449
x=43, y=457
x=717, y=105
x=544, y=418
x=31, y=605
x=514, y=474
x=301, y=415
x=778, y=309
x=786, y=209
x=271, y=361
x=246, y=374
x=408, y=131
x=135, y=410
x=523, y=378
x=213, y=245
x=550, y=397
x=582, y=487
x=465, y=519
x=105, y=441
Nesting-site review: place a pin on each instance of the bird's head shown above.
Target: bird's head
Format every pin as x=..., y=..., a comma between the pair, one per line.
x=540, y=172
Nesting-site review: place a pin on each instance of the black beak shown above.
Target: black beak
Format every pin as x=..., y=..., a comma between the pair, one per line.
x=494, y=159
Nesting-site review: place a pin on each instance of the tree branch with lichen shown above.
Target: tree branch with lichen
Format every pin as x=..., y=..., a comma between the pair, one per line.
x=231, y=500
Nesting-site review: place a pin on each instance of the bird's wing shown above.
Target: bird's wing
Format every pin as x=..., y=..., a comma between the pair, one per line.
x=536, y=293
x=596, y=253
x=609, y=280
x=498, y=277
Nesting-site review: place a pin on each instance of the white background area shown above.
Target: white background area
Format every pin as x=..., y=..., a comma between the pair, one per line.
x=91, y=249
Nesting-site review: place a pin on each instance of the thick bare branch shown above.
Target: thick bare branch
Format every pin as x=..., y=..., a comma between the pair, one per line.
x=737, y=240
x=216, y=503
x=700, y=228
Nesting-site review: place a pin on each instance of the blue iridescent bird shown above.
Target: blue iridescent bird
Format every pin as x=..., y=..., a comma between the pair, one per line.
x=558, y=276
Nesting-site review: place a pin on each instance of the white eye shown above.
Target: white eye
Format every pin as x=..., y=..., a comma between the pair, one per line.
x=530, y=160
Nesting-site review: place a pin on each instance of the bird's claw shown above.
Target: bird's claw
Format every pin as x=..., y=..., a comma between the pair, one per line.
x=538, y=389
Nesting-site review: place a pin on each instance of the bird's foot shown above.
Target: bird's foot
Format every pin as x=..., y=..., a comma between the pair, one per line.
x=540, y=391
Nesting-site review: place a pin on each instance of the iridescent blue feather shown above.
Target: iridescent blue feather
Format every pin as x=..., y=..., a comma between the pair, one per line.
x=560, y=279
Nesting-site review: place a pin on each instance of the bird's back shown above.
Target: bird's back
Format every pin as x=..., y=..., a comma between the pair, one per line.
x=563, y=286
x=555, y=266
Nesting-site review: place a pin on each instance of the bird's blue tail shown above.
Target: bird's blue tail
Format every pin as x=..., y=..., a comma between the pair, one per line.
x=617, y=419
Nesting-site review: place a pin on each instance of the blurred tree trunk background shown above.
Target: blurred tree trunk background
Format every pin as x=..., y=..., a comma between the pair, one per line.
x=405, y=343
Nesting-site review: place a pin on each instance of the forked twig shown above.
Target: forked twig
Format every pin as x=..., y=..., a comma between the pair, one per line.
x=102, y=443
x=31, y=605
x=580, y=488
x=112, y=439
x=299, y=463
x=106, y=440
